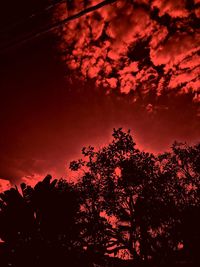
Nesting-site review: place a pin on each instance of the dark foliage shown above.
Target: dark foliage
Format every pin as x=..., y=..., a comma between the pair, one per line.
x=128, y=208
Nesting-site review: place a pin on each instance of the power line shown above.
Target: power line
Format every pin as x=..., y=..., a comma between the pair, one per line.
x=58, y=24
x=30, y=17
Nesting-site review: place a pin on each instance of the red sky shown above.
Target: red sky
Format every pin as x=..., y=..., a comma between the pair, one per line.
x=131, y=66
x=123, y=45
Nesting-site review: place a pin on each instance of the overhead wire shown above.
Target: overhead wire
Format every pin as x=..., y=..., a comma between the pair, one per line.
x=16, y=23
x=57, y=24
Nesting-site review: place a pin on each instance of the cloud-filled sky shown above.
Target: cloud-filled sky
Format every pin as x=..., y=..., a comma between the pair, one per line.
x=135, y=66
x=136, y=46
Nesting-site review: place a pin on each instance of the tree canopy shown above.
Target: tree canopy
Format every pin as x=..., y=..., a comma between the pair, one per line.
x=127, y=205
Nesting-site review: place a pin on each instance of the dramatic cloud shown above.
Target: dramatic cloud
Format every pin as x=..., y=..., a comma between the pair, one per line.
x=4, y=185
x=132, y=64
x=136, y=47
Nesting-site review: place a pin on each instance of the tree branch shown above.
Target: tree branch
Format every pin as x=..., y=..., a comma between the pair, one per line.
x=115, y=249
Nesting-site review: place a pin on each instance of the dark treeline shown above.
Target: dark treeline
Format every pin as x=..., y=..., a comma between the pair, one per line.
x=128, y=208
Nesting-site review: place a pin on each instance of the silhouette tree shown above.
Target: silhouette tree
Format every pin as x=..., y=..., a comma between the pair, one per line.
x=141, y=196
x=40, y=226
x=118, y=196
x=127, y=204
x=99, y=184
x=185, y=161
